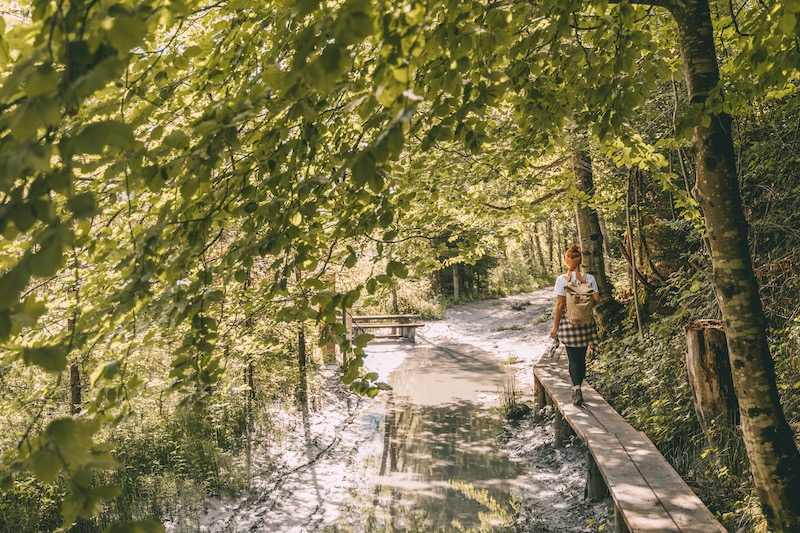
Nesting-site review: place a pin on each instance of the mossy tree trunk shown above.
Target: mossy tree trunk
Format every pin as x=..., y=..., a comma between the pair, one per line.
x=771, y=449
x=591, y=237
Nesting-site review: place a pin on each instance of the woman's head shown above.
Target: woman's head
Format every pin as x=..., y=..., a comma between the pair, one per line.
x=574, y=258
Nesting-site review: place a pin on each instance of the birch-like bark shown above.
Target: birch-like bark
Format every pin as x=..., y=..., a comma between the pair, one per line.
x=771, y=449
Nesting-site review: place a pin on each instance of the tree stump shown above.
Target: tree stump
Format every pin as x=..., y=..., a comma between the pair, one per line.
x=596, y=488
x=538, y=395
x=708, y=367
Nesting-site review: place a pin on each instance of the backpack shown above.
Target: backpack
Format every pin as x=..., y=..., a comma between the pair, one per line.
x=579, y=302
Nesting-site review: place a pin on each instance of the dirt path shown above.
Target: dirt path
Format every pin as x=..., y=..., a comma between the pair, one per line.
x=315, y=477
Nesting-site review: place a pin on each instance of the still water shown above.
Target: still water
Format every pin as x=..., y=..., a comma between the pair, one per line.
x=433, y=462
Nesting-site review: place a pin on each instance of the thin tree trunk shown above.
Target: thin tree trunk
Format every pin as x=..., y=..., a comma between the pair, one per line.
x=646, y=257
x=632, y=248
x=395, y=306
x=604, y=231
x=74, y=387
x=302, y=385
x=771, y=449
x=538, y=247
x=550, y=243
x=455, y=283
x=74, y=378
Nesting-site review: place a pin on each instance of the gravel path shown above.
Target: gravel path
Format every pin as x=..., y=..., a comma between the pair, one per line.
x=308, y=479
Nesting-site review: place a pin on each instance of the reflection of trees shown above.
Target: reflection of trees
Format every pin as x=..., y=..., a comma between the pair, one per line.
x=450, y=454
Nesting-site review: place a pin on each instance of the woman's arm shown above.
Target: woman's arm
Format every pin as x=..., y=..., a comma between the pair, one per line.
x=596, y=297
x=561, y=302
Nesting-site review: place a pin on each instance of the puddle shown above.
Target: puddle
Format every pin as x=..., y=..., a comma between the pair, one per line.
x=432, y=463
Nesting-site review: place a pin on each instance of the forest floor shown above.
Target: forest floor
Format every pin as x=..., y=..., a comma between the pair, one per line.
x=311, y=477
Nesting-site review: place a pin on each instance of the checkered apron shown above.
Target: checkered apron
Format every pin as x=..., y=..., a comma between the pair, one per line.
x=577, y=335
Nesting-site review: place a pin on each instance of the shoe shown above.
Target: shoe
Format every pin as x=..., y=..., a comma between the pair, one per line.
x=577, y=397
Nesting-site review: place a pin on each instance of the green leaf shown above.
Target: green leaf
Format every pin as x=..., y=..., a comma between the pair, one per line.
x=48, y=260
x=394, y=268
x=83, y=205
x=45, y=464
x=788, y=22
x=364, y=168
x=12, y=283
x=98, y=135
x=49, y=358
x=44, y=81
x=363, y=339
x=177, y=139
x=107, y=371
x=126, y=33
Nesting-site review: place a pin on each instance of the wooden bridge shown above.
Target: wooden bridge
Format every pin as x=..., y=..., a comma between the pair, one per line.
x=649, y=496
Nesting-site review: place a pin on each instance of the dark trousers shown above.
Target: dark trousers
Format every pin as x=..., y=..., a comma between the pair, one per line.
x=577, y=363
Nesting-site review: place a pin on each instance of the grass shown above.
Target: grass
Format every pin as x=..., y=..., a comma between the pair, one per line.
x=510, y=403
x=507, y=327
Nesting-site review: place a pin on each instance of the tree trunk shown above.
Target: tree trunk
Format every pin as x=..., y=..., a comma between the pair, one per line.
x=302, y=385
x=771, y=449
x=538, y=247
x=74, y=378
x=604, y=231
x=550, y=244
x=591, y=237
x=709, y=371
x=455, y=283
x=632, y=255
x=74, y=388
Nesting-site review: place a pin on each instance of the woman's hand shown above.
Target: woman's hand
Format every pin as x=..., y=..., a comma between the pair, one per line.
x=553, y=333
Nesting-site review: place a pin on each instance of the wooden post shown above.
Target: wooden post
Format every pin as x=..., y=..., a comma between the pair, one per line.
x=709, y=370
x=596, y=488
x=619, y=522
x=538, y=394
x=561, y=428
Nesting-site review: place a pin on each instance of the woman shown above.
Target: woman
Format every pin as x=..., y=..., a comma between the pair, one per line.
x=576, y=337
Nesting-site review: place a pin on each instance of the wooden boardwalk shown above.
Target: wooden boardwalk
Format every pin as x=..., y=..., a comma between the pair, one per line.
x=649, y=496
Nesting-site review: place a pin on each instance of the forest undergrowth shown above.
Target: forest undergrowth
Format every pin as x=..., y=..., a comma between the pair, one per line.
x=646, y=381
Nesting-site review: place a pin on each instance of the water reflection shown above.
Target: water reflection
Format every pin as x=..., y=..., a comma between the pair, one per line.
x=435, y=464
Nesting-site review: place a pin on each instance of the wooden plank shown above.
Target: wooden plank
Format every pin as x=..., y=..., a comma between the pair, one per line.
x=634, y=469
x=680, y=501
x=383, y=317
x=640, y=506
x=376, y=325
